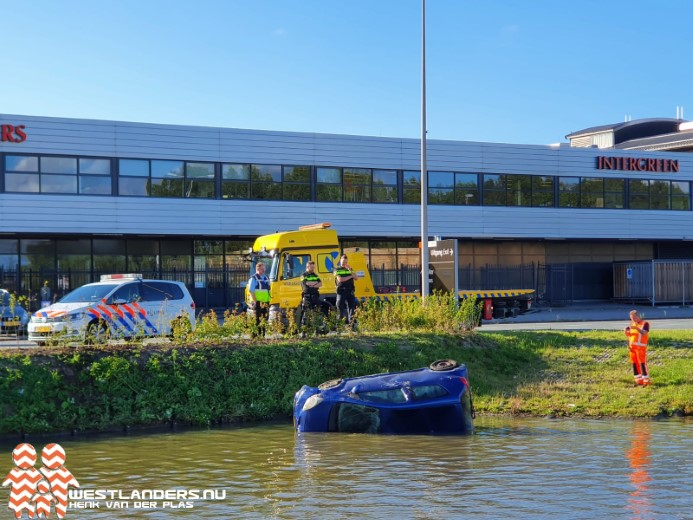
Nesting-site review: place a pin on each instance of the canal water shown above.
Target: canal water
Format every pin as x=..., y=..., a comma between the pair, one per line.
x=510, y=468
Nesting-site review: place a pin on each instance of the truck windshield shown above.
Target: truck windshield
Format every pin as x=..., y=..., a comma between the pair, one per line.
x=271, y=266
x=88, y=293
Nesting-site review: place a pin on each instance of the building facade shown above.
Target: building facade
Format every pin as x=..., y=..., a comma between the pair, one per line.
x=82, y=197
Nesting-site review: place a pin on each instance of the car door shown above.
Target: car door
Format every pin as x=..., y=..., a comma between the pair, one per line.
x=125, y=318
x=161, y=304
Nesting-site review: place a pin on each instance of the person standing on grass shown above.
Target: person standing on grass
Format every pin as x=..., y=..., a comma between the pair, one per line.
x=259, y=292
x=638, y=333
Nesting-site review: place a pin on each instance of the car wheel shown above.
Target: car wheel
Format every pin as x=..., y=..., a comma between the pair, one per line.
x=329, y=384
x=443, y=364
x=97, y=333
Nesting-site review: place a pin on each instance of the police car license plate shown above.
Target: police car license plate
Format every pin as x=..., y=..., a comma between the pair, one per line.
x=43, y=328
x=14, y=323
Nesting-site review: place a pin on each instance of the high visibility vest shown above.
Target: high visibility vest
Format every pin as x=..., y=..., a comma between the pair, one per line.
x=344, y=271
x=309, y=277
x=636, y=339
x=262, y=293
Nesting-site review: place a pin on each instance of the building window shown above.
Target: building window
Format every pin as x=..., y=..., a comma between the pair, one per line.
x=441, y=188
x=329, y=184
x=167, y=179
x=95, y=176
x=58, y=174
x=22, y=174
x=385, y=186
x=266, y=182
x=542, y=191
x=133, y=177
x=681, y=195
x=494, y=190
x=614, y=193
x=235, y=181
x=467, y=189
x=569, y=192
x=411, y=187
x=199, y=180
x=591, y=192
x=639, y=194
x=357, y=184
x=296, y=183
x=519, y=190
x=660, y=195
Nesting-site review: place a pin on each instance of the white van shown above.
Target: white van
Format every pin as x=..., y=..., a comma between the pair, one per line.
x=119, y=306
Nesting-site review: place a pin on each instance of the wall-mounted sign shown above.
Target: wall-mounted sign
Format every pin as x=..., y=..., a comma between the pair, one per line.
x=637, y=164
x=12, y=134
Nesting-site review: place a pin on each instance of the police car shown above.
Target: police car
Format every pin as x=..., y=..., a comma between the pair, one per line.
x=118, y=306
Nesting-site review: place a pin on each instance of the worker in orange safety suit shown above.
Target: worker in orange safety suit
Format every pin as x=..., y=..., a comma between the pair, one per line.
x=637, y=333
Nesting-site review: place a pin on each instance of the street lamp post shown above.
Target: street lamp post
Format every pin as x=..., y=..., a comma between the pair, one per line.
x=424, y=169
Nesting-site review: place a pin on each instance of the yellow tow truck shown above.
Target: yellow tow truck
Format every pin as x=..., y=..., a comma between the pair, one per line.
x=286, y=253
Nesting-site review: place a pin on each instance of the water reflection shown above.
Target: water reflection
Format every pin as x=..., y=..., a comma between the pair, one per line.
x=640, y=500
x=510, y=469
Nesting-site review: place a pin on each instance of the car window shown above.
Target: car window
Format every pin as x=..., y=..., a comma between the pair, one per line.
x=129, y=293
x=394, y=395
x=160, y=291
x=421, y=393
x=88, y=293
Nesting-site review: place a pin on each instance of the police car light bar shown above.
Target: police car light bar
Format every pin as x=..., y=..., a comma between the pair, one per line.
x=109, y=277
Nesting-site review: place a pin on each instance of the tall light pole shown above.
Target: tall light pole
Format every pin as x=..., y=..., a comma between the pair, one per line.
x=424, y=169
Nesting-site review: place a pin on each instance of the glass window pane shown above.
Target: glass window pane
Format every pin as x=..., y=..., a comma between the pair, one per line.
x=266, y=191
x=329, y=175
x=95, y=166
x=208, y=247
x=660, y=197
x=235, y=190
x=167, y=187
x=441, y=179
x=467, y=196
x=167, y=169
x=412, y=196
x=297, y=174
x=494, y=190
x=569, y=192
x=542, y=191
x=411, y=178
x=356, y=193
x=21, y=163
x=109, y=246
x=680, y=195
x=357, y=176
x=296, y=191
x=239, y=172
x=387, y=177
x=199, y=170
x=58, y=184
x=266, y=173
x=441, y=196
x=519, y=190
x=66, y=165
x=133, y=167
x=132, y=187
x=92, y=185
x=639, y=194
x=614, y=193
x=200, y=189
x=384, y=194
x=329, y=192
x=592, y=192
x=22, y=182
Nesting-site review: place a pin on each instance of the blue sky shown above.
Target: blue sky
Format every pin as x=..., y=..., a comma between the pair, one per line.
x=517, y=71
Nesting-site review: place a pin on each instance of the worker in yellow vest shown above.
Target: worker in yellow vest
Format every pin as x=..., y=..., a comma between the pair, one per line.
x=638, y=333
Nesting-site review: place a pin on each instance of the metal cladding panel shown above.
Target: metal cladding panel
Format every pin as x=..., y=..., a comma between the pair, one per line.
x=198, y=217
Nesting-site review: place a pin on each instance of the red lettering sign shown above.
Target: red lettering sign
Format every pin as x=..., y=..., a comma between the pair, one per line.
x=637, y=164
x=12, y=134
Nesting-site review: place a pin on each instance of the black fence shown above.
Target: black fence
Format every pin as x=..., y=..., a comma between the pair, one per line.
x=562, y=284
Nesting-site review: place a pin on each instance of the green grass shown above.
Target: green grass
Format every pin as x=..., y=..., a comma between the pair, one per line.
x=582, y=374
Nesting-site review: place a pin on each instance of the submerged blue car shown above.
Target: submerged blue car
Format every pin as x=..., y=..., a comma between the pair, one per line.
x=436, y=400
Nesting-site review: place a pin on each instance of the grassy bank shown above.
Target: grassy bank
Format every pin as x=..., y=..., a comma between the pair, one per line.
x=537, y=373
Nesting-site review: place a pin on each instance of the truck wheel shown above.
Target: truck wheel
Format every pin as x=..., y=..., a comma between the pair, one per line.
x=443, y=364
